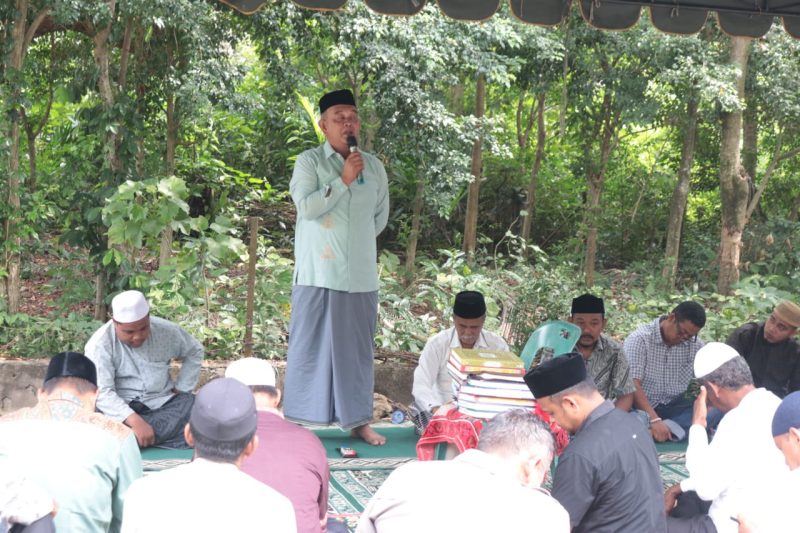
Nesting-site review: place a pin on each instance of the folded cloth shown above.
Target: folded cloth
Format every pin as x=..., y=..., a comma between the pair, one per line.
x=678, y=433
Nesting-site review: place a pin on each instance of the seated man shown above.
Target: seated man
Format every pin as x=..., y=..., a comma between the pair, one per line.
x=605, y=361
x=433, y=387
x=132, y=353
x=493, y=488
x=211, y=493
x=82, y=459
x=661, y=355
x=772, y=509
x=742, y=454
x=608, y=477
x=771, y=350
x=289, y=458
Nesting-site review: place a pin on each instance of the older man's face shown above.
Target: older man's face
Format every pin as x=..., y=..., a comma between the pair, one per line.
x=468, y=330
x=591, y=325
x=338, y=123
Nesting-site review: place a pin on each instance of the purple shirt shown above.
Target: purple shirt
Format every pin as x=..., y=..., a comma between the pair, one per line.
x=292, y=460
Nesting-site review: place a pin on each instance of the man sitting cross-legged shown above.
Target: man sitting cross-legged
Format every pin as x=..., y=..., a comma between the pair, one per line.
x=493, y=488
x=433, y=386
x=211, y=493
x=605, y=360
x=741, y=455
x=132, y=352
x=289, y=458
x=661, y=355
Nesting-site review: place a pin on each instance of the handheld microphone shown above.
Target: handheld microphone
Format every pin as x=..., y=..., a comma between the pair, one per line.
x=352, y=142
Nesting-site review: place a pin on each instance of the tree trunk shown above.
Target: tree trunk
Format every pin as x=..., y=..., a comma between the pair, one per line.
x=21, y=37
x=562, y=115
x=12, y=238
x=416, y=218
x=750, y=146
x=734, y=189
x=530, y=200
x=169, y=157
x=677, y=207
x=595, y=177
x=104, y=87
x=471, y=222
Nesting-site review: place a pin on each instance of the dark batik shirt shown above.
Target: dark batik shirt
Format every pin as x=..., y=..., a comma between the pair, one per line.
x=776, y=367
x=608, y=478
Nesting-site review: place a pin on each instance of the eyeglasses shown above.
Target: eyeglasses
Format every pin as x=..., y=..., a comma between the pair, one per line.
x=683, y=335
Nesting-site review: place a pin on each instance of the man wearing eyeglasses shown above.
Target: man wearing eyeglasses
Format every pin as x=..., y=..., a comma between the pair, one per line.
x=342, y=200
x=661, y=355
x=771, y=349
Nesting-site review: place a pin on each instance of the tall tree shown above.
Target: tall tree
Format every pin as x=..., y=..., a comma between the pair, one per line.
x=734, y=188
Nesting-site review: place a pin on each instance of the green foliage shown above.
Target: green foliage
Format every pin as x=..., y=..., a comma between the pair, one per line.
x=23, y=335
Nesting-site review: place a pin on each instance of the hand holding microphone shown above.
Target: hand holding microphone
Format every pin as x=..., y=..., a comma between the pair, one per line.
x=352, y=142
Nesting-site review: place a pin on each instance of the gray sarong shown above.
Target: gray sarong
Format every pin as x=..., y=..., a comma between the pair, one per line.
x=329, y=369
x=168, y=420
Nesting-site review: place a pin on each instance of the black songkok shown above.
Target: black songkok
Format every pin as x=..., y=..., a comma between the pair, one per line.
x=71, y=365
x=469, y=304
x=587, y=303
x=556, y=375
x=341, y=97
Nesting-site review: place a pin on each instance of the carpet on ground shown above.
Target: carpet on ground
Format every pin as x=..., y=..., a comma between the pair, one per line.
x=354, y=481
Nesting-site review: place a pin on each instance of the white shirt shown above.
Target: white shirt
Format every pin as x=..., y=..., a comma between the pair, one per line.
x=773, y=509
x=742, y=455
x=204, y=496
x=432, y=384
x=472, y=493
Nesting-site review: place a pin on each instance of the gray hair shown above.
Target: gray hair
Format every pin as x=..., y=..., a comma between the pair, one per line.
x=516, y=431
x=733, y=374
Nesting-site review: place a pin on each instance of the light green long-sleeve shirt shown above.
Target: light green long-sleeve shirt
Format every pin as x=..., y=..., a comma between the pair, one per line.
x=337, y=225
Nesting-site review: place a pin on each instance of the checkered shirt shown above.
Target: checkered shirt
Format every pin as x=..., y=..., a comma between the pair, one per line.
x=665, y=371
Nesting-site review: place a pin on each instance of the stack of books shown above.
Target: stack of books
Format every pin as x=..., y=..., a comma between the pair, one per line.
x=487, y=382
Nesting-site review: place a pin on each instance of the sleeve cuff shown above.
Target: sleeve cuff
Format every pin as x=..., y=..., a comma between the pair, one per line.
x=687, y=485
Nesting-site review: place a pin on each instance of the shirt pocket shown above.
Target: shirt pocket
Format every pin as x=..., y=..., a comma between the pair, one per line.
x=155, y=375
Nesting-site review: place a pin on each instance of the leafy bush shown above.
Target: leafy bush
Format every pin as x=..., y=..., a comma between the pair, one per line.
x=24, y=335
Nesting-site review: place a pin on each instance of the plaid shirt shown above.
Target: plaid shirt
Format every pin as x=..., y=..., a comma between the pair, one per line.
x=608, y=367
x=665, y=371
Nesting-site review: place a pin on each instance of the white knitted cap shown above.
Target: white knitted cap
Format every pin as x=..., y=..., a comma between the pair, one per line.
x=129, y=306
x=712, y=356
x=251, y=371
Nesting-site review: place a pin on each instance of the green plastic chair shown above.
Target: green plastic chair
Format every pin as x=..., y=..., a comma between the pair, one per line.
x=559, y=336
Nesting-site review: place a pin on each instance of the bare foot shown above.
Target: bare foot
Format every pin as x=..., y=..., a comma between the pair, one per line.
x=368, y=435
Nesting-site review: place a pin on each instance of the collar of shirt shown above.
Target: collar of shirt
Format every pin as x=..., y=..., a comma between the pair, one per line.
x=599, y=411
x=455, y=343
x=329, y=151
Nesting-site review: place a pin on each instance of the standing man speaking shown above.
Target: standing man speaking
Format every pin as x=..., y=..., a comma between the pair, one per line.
x=342, y=200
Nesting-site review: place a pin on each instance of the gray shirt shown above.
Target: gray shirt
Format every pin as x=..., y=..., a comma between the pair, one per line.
x=608, y=477
x=125, y=373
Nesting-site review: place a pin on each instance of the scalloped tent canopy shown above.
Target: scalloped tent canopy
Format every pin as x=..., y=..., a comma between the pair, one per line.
x=746, y=18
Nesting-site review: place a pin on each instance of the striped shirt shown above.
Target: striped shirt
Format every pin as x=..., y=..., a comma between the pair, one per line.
x=665, y=371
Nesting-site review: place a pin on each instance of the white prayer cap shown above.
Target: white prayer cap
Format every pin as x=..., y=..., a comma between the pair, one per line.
x=129, y=306
x=252, y=372
x=712, y=356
